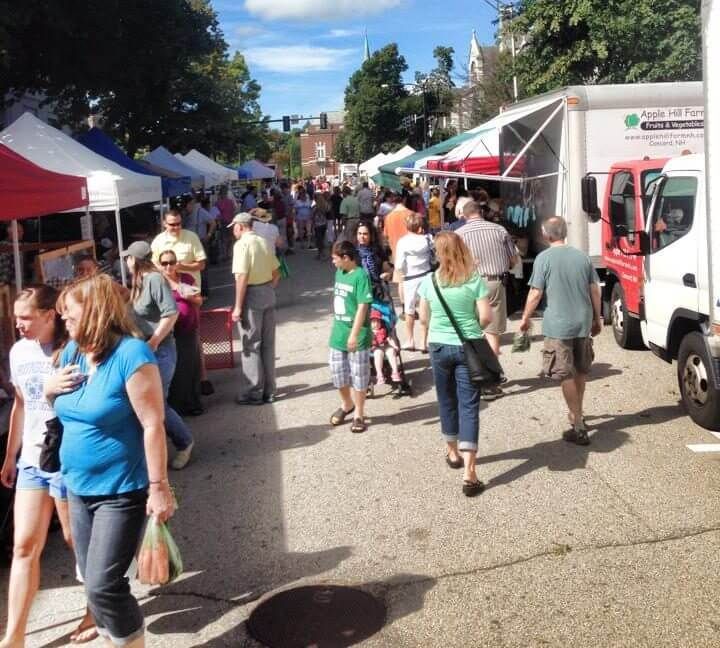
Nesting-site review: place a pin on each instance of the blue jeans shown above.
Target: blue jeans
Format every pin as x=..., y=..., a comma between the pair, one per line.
x=179, y=433
x=458, y=397
x=106, y=532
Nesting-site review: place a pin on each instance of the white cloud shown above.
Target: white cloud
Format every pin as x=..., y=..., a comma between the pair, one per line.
x=248, y=31
x=299, y=58
x=316, y=10
x=342, y=33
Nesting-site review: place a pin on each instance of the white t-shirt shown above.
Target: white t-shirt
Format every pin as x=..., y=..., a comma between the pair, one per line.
x=365, y=198
x=30, y=365
x=413, y=253
x=268, y=231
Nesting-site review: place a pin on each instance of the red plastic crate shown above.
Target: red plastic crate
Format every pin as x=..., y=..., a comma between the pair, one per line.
x=216, y=337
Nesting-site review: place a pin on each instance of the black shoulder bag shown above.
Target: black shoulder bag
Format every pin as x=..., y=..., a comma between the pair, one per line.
x=50, y=452
x=482, y=363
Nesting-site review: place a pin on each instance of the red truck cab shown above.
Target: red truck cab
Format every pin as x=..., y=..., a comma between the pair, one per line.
x=624, y=204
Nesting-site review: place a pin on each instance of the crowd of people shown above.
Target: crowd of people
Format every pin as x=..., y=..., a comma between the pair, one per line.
x=118, y=367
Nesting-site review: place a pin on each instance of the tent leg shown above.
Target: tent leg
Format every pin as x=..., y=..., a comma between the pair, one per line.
x=16, y=257
x=121, y=246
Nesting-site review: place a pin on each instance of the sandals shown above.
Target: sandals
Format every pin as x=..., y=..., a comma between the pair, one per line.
x=457, y=463
x=358, y=426
x=472, y=488
x=339, y=415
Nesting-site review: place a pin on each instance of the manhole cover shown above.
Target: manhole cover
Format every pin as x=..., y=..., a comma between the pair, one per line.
x=317, y=616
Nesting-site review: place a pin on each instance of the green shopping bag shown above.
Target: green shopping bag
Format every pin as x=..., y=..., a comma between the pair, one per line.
x=284, y=268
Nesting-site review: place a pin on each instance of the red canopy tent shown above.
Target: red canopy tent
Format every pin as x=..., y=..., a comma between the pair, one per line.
x=29, y=191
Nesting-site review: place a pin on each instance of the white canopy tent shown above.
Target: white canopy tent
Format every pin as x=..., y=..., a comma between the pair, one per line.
x=163, y=159
x=111, y=187
x=371, y=167
x=220, y=173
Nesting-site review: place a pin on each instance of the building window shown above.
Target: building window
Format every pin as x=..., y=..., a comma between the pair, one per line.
x=321, y=170
x=319, y=150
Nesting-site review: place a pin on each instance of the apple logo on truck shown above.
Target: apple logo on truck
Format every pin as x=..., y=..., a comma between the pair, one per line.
x=632, y=120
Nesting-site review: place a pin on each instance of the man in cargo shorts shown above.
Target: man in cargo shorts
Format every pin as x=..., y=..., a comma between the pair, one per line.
x=567, y=278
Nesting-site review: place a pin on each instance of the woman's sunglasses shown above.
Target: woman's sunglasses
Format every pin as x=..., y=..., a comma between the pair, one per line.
x=168, y=263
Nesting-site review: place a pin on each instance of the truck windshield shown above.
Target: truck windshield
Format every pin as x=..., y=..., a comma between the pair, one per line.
x=647, y=179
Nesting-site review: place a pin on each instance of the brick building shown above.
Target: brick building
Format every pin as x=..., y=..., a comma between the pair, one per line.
x=317, y=147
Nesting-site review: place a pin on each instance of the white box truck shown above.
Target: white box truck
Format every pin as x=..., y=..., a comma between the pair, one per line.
x=680, y=299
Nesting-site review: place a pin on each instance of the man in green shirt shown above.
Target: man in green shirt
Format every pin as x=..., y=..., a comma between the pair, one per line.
x=350, y=337
x=567, y=278
x=350, y=211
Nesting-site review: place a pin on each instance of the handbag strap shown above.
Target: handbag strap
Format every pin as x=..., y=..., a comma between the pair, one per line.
x=451, y=317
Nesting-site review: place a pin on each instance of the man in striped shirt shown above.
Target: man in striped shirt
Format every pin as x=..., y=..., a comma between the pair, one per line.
x=494, y=253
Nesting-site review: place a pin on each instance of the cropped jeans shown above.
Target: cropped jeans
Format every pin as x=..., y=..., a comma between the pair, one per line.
x=106, y=532
x=458, y=397
x=179, y=433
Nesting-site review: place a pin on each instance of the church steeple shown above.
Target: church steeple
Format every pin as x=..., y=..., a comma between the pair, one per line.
x=366, y=55
x=475, y=61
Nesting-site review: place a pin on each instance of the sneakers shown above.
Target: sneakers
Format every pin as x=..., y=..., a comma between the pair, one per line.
x=244, y=400
x=180, y=460
x=491, y=393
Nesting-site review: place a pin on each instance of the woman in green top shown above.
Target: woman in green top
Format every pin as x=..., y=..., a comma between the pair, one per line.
x=458, y=397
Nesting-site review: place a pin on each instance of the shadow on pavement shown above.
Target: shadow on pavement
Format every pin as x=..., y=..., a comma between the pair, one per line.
x=230, y=524
x=599, y=371
x=607, y=435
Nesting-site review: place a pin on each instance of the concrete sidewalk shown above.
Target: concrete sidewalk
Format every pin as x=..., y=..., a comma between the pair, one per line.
x=615, y=544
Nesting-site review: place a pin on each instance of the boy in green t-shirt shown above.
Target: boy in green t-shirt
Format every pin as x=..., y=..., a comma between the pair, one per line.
x=351, y=337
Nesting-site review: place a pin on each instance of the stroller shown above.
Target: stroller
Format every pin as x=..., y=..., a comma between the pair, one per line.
x=383, y=305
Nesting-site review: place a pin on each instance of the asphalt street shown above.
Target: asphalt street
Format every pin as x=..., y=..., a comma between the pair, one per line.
x=616, y=544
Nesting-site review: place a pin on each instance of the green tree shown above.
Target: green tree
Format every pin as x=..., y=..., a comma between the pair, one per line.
x=439, y=100
x=494, y=91
x=374, y=105
x=158, y=72
x=607, y=41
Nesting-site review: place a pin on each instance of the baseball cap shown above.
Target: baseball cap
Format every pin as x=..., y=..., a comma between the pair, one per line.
x=242, y=218
x=375, y=314
x=138, y=250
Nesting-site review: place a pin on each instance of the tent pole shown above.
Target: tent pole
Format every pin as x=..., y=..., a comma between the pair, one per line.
x=16, y=256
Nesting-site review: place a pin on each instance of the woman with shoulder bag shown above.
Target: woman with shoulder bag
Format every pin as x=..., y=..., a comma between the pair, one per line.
x=465, y=293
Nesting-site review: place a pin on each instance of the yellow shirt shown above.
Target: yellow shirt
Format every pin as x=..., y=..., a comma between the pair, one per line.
x=252, y=256
x=434, y=212
x=187, y=248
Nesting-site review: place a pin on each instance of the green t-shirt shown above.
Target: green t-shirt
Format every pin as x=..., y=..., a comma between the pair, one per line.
x=565, y=274
x=351, y=289
x=461, y=302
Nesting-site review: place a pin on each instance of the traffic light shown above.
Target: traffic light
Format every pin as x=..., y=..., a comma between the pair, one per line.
x=323, y=121
x=286, y=123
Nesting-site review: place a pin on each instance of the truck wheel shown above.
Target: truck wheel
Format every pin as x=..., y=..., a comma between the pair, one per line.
x=700, y=396
x=626, y=328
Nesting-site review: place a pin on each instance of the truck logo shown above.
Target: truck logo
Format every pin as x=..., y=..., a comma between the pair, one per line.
x=632, y=120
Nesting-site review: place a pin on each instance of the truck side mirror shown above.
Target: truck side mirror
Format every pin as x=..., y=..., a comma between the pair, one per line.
x=588, y=190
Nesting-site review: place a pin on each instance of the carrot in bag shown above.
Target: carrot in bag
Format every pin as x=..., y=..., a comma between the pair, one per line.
x=159, y=560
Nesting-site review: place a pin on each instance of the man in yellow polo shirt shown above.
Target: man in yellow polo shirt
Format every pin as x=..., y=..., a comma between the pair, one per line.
x=255, y=268
x=185, y=244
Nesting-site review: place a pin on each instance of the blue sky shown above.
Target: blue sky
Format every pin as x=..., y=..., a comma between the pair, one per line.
x=302, y=52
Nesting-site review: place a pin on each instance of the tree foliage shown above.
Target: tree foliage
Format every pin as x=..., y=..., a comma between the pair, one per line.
x=439, y=98
x=158, y=72
x=607, y=41
x=494, y=91
x=374, y=104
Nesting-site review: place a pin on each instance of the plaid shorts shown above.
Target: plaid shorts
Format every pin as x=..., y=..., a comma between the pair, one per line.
x=350, y=368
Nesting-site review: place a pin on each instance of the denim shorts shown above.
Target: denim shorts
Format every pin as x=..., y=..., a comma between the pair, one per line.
x=30, y=477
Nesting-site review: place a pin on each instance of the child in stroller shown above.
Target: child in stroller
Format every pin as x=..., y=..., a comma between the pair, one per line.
x=384, y=347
